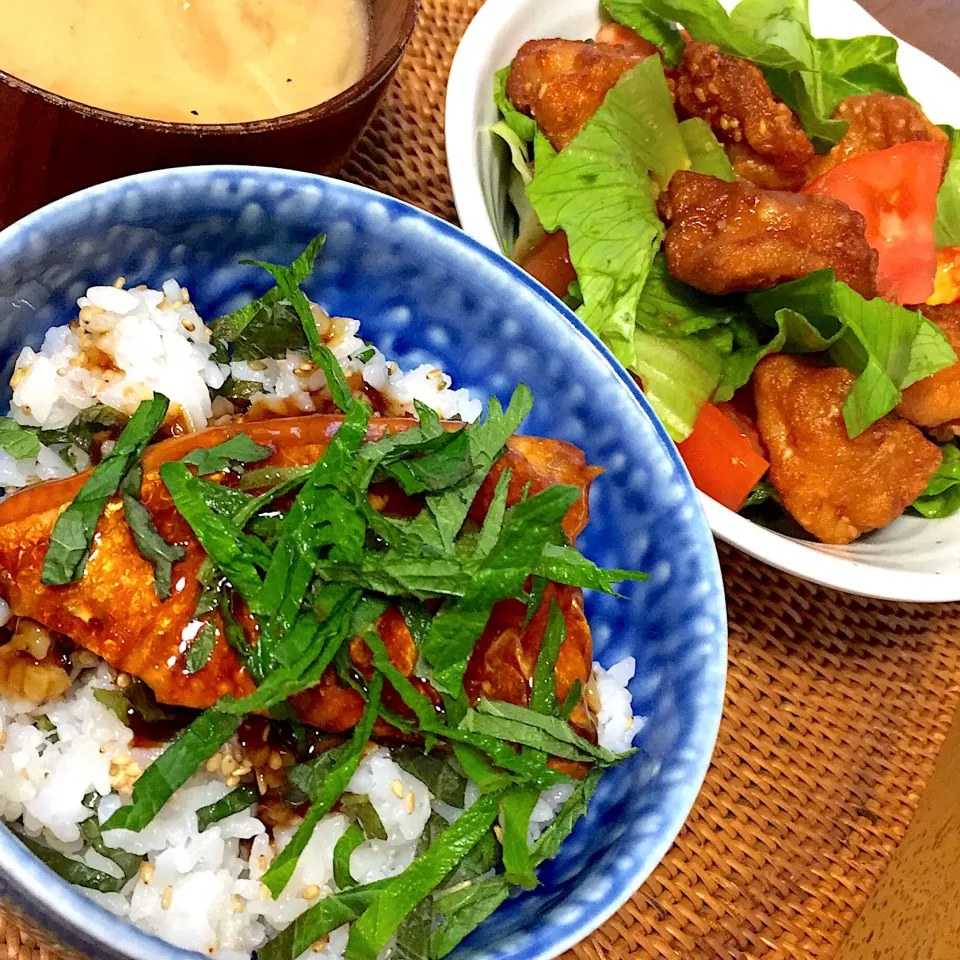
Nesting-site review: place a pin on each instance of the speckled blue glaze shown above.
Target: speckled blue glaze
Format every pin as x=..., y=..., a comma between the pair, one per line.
x=426, y=292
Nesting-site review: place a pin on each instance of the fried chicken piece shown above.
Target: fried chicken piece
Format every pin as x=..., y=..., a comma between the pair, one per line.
x=749, y=165
x=617, y=33
x=561, y=83
x=835, y=487
x=936, y=400
x=734, y=98
x=724, y=237
x=878, y=121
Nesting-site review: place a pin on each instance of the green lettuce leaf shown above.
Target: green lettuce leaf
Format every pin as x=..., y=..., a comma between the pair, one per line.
x=858, y=66
x=660, y=31
x=669, y=308
x=930, y=349
x=811, y=75
x=598, y=190
x=840, y=68
x=523, y=127
x=786, y=24
x=518, y=149
x=706, y=154
x=941, y=497
x=946, y=227
x=707, y=20
x=678, y=376
x=872, y=338
x=748, y=351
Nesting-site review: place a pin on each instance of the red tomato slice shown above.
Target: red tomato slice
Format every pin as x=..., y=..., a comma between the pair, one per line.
x=549, y=262
x=721, y=458
x=745, y=423
x=617, y=33
x=896, y=191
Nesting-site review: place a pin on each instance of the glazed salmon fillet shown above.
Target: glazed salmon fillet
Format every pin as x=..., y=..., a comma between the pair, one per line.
x=114, y=612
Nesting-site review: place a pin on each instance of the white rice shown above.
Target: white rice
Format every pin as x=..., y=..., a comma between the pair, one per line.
x=127, y=344
x=204, y=894
x=612, y=705
x=147, y=342
x=48, y=465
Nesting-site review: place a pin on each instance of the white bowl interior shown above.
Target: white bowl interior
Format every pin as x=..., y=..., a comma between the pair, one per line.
x=912, y=559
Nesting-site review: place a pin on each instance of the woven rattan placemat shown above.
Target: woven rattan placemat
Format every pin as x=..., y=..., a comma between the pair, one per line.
x=836, y=707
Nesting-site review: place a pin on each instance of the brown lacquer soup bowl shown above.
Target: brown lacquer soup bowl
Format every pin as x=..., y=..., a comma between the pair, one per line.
x=51, y=146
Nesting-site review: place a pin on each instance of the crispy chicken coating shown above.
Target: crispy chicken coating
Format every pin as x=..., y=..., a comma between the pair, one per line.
x=835, y=487
x=724, y=237
x=878, y=121
x=560, y=83
x=936, y=400
x=749, y=165
x=734, y=98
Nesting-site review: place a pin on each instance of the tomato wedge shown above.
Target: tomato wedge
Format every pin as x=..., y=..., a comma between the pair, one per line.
x=721, y=458
x=896, y=191
x=549, y=262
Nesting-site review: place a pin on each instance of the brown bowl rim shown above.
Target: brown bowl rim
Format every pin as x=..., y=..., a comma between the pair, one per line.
x=371, y=79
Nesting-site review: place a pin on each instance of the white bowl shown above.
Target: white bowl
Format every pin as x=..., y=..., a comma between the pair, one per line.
x=912, y=559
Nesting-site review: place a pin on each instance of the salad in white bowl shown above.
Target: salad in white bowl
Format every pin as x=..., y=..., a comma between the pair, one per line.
x=764, y=226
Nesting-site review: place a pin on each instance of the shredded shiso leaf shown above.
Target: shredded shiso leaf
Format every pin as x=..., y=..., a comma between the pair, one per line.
x=320, y=570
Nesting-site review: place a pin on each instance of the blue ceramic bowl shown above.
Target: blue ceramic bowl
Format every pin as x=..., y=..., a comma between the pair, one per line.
x=425, y=292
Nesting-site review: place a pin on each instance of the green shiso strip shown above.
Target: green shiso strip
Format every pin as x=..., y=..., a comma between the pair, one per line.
x=322, y=569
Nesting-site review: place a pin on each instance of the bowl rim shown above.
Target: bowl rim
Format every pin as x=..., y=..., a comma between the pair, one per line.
x=373, y=76
x=810, y=561
x=30, y=884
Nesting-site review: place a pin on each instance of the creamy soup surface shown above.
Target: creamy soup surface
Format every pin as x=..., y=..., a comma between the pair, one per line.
x=196, y=61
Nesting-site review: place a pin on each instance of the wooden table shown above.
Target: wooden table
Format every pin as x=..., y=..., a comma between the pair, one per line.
x=931, y=25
